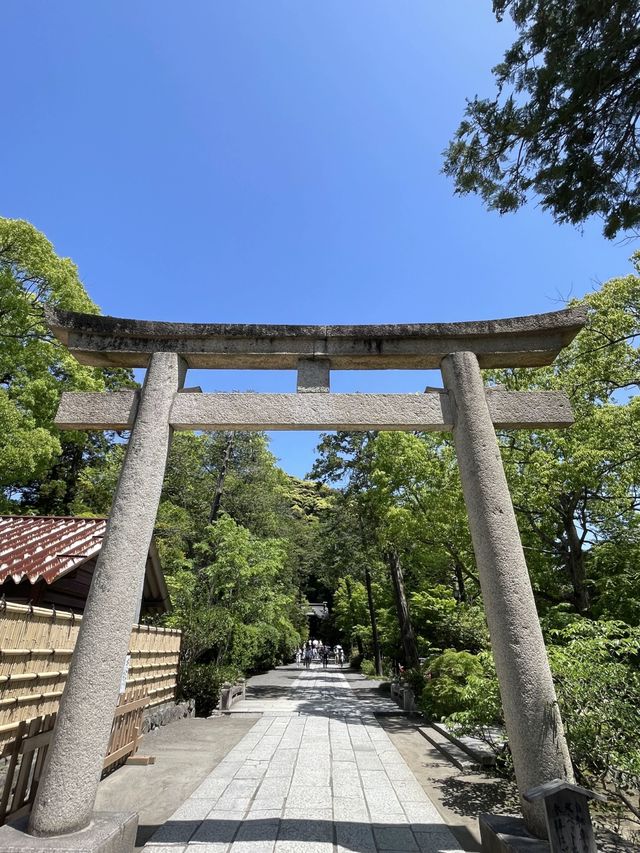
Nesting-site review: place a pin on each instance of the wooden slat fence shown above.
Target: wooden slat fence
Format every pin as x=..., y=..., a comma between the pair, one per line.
x=36, y=645
x=126, y=730
x=27, y=751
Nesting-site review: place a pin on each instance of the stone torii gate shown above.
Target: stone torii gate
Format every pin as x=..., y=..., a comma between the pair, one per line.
x=67, y=791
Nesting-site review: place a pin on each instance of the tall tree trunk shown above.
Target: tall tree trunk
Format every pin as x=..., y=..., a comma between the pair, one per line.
x=377, y=658
x=217, y=497
x=407, y=633
x=347, y=582
x=462, y=590
x=575, y=565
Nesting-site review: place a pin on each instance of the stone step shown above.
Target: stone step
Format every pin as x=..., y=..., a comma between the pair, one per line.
x=479, y=751
x=448, y=749
x=236, y=712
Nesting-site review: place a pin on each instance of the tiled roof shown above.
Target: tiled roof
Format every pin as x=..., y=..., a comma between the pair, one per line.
x=46, y=546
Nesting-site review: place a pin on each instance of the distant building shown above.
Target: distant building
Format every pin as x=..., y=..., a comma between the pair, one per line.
x=49, y=561
x=319, y=610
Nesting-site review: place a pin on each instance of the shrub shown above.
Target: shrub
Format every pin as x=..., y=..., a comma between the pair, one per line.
x=368, y=668
x=438, y=618
x=595, y=670
x=356, y=661
x=202, y=682
x=444, y=692
x=416, y=678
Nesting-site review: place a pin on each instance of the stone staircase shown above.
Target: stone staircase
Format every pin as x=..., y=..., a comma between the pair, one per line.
x=464, y=752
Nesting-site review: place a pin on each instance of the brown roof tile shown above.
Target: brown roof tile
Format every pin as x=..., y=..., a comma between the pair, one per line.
x=46, y=547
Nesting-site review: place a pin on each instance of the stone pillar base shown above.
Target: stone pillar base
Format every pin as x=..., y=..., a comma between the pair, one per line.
x=108, y=832
x=506, y=834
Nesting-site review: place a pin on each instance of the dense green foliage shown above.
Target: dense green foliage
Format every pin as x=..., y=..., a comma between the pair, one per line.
x=445, y=691
x=40, y=466
x=563, y=125
x=202, y=682
x=235, y=579
x=595, y=669
x=577, y=496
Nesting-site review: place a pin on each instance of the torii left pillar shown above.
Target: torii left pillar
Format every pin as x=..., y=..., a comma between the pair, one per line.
x=67, y=791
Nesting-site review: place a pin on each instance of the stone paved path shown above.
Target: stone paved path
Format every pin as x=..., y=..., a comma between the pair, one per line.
x=316, y=774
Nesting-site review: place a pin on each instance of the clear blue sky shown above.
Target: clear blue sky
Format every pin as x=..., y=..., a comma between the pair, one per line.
x=272, y=161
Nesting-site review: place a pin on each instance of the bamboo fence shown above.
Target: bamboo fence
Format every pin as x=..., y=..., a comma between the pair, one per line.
x=36, y=645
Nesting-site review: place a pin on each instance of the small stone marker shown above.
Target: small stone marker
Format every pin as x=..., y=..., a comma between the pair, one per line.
x=566, y=809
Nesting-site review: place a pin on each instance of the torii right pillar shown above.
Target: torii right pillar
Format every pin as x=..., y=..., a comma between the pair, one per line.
x=532, y=717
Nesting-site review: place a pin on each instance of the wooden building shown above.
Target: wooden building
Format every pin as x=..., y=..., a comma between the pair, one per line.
x=48, y=561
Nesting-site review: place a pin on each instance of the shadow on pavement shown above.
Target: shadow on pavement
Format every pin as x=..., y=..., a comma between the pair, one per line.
x=334, y=697
x=352, y=835
x=475, y=796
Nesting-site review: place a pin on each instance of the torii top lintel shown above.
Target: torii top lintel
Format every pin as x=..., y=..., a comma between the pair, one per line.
x=530, y=341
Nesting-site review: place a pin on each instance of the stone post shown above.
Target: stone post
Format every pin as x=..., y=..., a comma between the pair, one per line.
x=67, y=791
x=534, y=727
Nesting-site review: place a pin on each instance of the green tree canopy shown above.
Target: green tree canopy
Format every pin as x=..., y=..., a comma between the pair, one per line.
x=563, y=125
x=39, y=466
x=577, y=491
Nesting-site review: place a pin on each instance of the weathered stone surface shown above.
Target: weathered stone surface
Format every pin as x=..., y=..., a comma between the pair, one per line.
x=534, y=727
x=67, y=791
x=314, y=375
x=311, y=411
x=94, y=409
x=506, y=834
x=316, y=411
x=514, y=342
x=569, y=826
x=162, y=715
x=230, y=694
x=529, y=409
x=107, y=832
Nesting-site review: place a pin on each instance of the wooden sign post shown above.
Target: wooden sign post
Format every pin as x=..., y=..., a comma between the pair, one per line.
x=566, y=809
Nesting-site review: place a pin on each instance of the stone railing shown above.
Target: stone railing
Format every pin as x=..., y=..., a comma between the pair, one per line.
x=230, y=694
x=404, y=696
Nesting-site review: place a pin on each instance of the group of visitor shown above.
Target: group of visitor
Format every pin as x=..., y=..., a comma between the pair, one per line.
x=316, y=650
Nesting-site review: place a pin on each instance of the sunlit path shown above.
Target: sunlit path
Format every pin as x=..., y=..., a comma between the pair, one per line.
x=316, y=774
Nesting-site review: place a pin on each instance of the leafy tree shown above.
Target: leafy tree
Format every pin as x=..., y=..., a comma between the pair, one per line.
x=563, y=125
x=252, y=491
x=576, y=491
x=419, y=475
x=351, y=613
x=346, y=458
x=40, y=466
x=239, y=605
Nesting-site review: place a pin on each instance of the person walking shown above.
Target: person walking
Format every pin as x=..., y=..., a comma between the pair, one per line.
x=307, y=657
x=325, y=656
